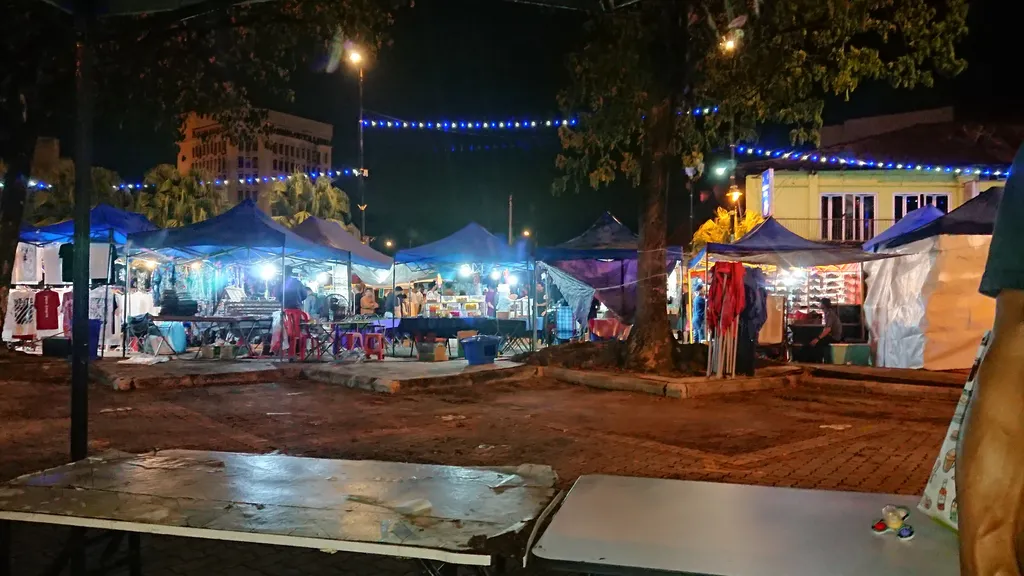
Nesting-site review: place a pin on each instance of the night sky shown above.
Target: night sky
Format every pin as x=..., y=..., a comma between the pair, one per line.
x=489, y=59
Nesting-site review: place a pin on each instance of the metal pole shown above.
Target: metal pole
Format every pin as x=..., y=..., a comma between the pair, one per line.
x=509, y=219
x=362, y=184
x=533, y=302
x=352, y=304
x=106, y=291
x=284, y=280
x=83, y=182
x=127, y=297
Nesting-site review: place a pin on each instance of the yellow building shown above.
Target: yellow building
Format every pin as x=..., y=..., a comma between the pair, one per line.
x=294, y=145
x=839, y=194
x=855, y=205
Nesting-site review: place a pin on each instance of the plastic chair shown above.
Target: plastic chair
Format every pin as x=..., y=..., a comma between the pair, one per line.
x=374, y=345
x=351, y=340
x=297, y=338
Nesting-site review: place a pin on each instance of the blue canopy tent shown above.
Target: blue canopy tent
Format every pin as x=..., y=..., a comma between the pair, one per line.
x=106, y=224
x=977, y=216
x=912, y=221
x=772, y=243
x=470, y=244
x=244, y=228
x=243, y=233
x=473, y=244
x=607, y=238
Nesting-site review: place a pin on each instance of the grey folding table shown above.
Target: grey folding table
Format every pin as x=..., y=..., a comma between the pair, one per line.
x=623, y=525
x=440, y=515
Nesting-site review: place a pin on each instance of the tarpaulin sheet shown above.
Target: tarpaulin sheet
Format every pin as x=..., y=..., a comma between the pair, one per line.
x=332, y=234
x=104, y=221
x=614, y=283
x=923, y=308
x=912, y=221
x=977, y=216
x=577, y=294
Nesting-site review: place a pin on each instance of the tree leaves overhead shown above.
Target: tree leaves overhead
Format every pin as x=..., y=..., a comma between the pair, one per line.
x=172, y=199
x=299, y=197
x=720, y=228
x=784, y=58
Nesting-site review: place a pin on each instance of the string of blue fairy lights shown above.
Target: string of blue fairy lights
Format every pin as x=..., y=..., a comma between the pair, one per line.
x=35, y=184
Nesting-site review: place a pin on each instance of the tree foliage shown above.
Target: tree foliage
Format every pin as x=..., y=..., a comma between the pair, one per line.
x=724, y=228
x=56, y=203
x=299, y=197
x=644, y=71
x=786, y=56
x=173, y=199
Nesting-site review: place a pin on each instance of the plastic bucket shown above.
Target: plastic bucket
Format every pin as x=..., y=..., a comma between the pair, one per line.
x=480, y=349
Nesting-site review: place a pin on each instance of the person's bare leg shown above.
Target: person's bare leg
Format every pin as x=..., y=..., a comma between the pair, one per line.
x=990, y=461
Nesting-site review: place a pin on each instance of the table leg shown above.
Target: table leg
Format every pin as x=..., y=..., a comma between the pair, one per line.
x=5, y=548
x=134, y=554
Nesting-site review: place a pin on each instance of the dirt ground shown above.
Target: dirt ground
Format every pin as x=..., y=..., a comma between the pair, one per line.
x=802, y=437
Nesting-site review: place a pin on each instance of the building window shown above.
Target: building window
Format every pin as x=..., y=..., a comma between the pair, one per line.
x=241, y=161
x=256, y=162
x=904, y=204
x=847, y=217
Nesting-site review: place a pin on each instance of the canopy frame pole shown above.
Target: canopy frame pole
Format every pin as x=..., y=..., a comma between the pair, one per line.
x=112, y=252
x=351, y=295
x=533, y=303
x=394, y=329
x=280, y=350
x=127, y=297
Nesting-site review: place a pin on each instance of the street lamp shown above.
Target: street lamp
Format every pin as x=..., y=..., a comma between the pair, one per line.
x=388, y=243
x=734, y=195
x=355, y=58
x=526, y=233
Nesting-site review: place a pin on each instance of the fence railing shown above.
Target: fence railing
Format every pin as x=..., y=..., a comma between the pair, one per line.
x=852, y=230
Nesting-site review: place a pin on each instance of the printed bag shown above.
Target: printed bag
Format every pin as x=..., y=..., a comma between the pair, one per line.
x=939, y=499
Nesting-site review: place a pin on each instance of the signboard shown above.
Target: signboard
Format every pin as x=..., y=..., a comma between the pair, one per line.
x=767, y=188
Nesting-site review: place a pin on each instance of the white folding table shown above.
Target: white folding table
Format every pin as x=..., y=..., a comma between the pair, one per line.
x=622, y=525
x=437, y=514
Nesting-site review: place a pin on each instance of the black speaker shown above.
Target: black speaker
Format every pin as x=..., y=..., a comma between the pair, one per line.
x=57, y=347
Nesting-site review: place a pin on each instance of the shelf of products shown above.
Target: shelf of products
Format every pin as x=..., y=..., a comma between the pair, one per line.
x=455, y=306
x=805, y=288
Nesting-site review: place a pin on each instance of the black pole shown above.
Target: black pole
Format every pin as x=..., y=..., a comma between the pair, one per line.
x=83, y=182
x=362, y=184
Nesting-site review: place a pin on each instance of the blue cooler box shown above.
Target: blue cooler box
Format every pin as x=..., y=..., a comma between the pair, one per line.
x=480, y=349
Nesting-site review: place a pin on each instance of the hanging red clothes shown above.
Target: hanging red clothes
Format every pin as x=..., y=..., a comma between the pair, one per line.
x=726, y=297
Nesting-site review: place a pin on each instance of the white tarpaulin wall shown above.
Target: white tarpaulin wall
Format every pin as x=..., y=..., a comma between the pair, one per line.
x=923, y=308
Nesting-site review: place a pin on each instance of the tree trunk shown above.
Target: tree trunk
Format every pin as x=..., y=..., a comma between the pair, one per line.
x=18, y=154
x=650, y=340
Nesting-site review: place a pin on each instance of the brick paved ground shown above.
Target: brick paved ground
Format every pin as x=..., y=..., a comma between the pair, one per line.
x=804, y=437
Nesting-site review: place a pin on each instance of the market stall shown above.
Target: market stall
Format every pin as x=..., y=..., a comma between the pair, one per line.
x=923, y=307
x=40, y=304
x=237, y=267
x=489, y=273
x=800, y=272
x=604, y=257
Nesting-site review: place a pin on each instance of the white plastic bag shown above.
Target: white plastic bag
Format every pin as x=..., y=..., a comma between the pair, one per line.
x=939, y=498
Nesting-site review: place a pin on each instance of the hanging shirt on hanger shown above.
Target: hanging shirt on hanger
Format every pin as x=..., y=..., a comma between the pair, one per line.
x=26, y=264
x=50, y=255
x=66, y=310
x=47, y=304
x=100, y=258
x=22, y=313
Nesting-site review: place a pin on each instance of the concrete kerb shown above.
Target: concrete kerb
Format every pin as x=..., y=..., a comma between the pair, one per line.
x=693, y=387
x=144, y=382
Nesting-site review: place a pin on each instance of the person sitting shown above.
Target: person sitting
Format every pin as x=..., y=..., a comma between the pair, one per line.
x=818, y=351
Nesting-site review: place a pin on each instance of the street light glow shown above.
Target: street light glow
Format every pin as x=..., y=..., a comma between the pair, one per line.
x=526, y=233
x=388, y=243
x=355, y=57
x=734, y=194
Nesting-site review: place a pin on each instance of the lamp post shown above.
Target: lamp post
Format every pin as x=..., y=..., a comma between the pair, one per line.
x=355, y=58
x=734, y=195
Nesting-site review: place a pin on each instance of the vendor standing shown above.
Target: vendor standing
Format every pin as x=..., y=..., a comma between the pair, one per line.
x=700, y=306
x=832, y=332
x=294, y=291
x=368, y=303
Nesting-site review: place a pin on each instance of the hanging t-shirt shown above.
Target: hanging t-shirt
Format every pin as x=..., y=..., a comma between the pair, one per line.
x=47, y=304
x=67, y=306
x=50, y=255
x=22, y=312
x=26, y=264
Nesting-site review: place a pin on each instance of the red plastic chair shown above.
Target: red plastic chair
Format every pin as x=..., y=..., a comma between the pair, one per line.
x=297, y=338
x=374, y=345
x=351, y=340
